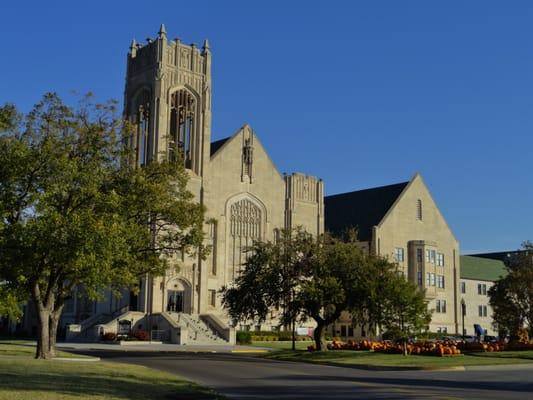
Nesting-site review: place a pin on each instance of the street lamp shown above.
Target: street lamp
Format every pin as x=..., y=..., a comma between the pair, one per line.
x=463, y=313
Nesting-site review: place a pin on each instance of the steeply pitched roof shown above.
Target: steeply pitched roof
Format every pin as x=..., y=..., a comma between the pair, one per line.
x=481, y=269
x=362, y=209
x=217, y=145
x=500, y=255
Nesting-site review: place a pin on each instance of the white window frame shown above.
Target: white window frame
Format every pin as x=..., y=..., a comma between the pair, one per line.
x=399, y=254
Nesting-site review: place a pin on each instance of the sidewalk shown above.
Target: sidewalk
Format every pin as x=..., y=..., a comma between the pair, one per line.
x=163, y=348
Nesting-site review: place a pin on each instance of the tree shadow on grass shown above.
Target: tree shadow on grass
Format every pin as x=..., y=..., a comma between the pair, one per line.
x=66, y=380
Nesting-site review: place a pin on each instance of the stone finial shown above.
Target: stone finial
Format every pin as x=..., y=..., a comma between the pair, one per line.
x=162, y=31
x=133, y=47
x=206, y=47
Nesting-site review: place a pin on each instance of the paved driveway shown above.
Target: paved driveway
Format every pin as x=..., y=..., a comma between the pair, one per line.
x=247, y=377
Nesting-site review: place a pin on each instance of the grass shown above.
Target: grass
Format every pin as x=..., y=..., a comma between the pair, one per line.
x=283, y=345
x=369, y=359
x=27, y=348
x=24, y=378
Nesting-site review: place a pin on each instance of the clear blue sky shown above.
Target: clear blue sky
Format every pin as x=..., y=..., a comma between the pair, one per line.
x=360, y=93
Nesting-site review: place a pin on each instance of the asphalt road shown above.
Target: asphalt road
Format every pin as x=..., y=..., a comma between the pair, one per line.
x=246, y=377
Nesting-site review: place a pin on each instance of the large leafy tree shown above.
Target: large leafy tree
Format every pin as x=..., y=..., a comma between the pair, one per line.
x=511, y=297
x=319, y=279
x=73, y=215
x=271, y=278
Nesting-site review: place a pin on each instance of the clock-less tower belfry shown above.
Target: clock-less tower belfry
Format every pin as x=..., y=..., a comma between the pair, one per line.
x=168, y=100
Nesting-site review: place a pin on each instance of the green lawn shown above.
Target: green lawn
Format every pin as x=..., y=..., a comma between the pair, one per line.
x=27, y=348
x=380, y=360
x=24, y=378
x=284, y=345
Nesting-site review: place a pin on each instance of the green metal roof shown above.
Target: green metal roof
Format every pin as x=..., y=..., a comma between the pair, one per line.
x=482, y=269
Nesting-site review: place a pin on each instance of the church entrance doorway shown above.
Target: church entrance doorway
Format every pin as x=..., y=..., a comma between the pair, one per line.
x=175, y=301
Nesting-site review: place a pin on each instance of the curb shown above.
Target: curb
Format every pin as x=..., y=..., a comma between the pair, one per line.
x=74, y=359
x=250, y=351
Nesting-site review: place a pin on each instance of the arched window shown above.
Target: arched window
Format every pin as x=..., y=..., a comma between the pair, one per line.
x=142, y=123
x=182, y=126
x=245, y=227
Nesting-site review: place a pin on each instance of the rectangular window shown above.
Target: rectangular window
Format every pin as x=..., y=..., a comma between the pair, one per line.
x=482, y=311
x=419, y=255
x=433, y=256
x=419, y=278
x=343, y=330
x=350, y=331
x=213, y=237
x=427, y=255
x=463, y=287
x=482, y=288
x=432, y=279
x=441, y=306
x=427, y=278
x=440, y=259
x=399, y=254
x=212, y=298
x=440, y=281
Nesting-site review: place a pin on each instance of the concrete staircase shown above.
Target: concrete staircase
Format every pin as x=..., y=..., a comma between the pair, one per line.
x=198, y=332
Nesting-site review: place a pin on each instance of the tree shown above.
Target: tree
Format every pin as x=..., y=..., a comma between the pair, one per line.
x=271, y=277
x=73, y=215
x=406, y=311
x=326, y=278
x=511, y=297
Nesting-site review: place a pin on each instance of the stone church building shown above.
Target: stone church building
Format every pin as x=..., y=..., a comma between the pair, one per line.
x=168, y=98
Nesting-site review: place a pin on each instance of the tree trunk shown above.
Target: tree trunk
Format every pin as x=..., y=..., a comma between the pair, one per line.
x=53, y=325
x=293, y=335
x=319, y=336
x=43, y=338
x=44, y=308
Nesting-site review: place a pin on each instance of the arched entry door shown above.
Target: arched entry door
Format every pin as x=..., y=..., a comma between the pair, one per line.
x=175, y=301
x=178, y=296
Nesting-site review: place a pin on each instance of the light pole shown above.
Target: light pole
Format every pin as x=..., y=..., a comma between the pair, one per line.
x=463, y=313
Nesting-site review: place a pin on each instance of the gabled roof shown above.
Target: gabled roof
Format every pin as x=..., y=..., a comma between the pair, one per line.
x=361, y=209
x=482, y=269
x=216, y=145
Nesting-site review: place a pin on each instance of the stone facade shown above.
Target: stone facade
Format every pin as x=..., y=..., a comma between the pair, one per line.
x=407, y=227
x=478, y=275
x=168, y=99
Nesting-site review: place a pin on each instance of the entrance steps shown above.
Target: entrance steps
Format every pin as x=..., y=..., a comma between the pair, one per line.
x=198, y=332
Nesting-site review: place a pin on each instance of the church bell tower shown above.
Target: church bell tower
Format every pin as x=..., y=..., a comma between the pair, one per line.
x=168, y=100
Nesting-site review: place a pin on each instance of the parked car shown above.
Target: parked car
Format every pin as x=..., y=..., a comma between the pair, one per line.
x=490, y=339
x=469, y=338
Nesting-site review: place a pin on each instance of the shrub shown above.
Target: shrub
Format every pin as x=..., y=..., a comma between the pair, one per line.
x=109, y=336
x=141, y=334
x=244, y=337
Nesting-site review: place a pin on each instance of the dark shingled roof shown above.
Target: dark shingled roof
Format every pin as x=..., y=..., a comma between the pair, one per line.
x=217, y=145
x=482, y=269
x=361, y=209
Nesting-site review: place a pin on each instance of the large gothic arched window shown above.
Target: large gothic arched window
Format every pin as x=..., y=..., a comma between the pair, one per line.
x=245, y=228
x=182, y=126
